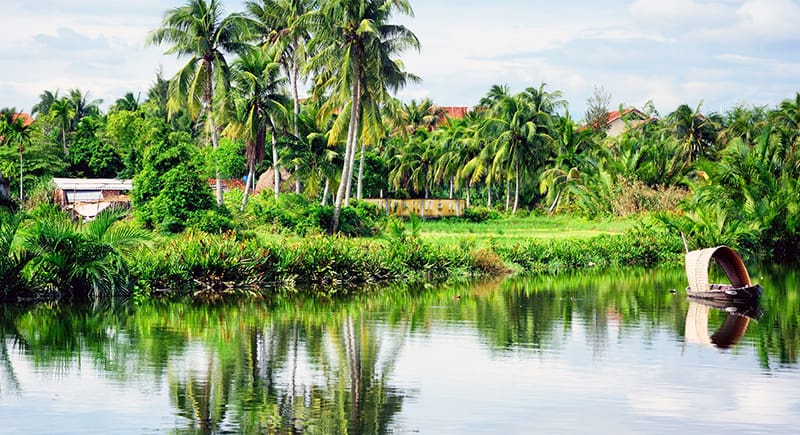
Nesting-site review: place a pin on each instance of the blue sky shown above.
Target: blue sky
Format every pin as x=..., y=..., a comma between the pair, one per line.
x=723, y=52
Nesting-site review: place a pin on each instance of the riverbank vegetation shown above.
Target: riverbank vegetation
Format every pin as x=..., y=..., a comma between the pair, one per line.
x=543, y=191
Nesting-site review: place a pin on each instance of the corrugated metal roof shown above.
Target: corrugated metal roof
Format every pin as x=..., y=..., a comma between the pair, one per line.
x=67, y=184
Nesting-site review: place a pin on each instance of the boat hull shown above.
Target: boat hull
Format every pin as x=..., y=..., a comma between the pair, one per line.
x=726, y=292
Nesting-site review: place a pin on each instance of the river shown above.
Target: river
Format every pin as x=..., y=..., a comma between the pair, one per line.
x=598, y=352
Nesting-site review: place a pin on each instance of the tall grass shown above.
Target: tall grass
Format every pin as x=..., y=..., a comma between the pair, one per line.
x=212, y=265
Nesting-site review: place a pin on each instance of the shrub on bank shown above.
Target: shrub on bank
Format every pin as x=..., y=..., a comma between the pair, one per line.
x=643, y=246
x=480, y=214
x=302, y=216
x=215, y=264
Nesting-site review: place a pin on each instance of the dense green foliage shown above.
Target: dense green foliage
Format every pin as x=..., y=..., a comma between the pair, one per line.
x=169, y=194
x=46, y=253
x=727, y=178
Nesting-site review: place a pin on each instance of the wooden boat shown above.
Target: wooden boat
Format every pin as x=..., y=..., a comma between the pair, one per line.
x=740, y=290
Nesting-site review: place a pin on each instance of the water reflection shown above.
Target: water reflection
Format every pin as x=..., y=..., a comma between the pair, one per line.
x=332, y=367
x=732, y=328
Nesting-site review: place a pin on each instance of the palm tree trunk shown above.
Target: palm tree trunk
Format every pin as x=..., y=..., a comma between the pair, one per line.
x=359, y=188
x=516, y=189
x=20, y=178
x=277, y=185
x=250, y=174
x=326, y=191
x=209, y=91
x=296, y=101
x=488, y=195
x=352, y=168
x=215, y=145
x=452, y=186
x=508, y=194
x=555, y=203
x=468, y=192
x=355, y=110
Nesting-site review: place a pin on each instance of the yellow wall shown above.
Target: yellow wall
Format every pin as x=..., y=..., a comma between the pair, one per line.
x=433, y=207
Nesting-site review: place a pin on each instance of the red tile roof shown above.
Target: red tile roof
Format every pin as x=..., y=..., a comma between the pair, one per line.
x=26, y=119
x=455, y=112
x=616, y=114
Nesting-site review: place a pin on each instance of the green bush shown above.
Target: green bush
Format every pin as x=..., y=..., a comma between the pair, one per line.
x=480, y=214
x=167, y=193
x=643, y=246
x=302, y=216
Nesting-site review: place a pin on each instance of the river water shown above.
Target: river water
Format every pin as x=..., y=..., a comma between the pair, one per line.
x=600, y=352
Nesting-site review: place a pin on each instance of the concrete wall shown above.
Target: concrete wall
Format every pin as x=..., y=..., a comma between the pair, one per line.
x=433, y=208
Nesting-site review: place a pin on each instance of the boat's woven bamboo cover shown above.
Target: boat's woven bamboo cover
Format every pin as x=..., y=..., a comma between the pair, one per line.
x=697, y=263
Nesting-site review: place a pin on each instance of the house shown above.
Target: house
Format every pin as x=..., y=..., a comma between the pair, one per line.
x=619, y=121
x=455, y=112
x=88, y=197
x=448, y=113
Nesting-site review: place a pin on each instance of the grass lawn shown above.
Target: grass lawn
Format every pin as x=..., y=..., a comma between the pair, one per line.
x=508, y=231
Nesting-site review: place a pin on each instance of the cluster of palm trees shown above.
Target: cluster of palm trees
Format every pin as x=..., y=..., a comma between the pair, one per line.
x=347, y=48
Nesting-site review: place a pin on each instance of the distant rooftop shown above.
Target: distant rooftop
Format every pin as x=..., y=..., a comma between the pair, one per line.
x=93, y=184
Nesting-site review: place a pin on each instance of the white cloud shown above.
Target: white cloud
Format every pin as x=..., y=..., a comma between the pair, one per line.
x=677, y=16
x=770, y=18
x=720, y=51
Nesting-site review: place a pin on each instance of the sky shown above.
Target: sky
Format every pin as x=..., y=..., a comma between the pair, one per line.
x=718, y=53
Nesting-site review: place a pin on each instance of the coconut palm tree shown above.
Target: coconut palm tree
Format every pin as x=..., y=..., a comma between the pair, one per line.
x=83, y=106
x=285, y=25
x=788, y=118
x=571, y=158
x=697, y=131
x=519, y=130
x=13, y=257
x=354, y=48
x=415, y=163
x=316, y=163
x=260, y=102
x=129, y=102
x=200, y=31
x=63, y=111
x=14, y=130
x=46, y=100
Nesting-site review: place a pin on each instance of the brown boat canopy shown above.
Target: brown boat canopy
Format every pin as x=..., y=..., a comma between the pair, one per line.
x=697, y=263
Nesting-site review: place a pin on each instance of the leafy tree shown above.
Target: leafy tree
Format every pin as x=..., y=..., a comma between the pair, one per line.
x=168, y=194
x=91, y=157
x=597, y=110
